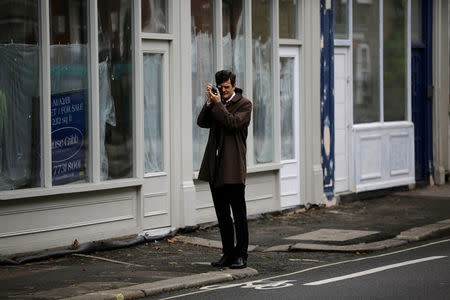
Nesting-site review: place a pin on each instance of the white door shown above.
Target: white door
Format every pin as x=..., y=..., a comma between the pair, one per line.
x=341, y=118
x=289, y=117
x=156, y=187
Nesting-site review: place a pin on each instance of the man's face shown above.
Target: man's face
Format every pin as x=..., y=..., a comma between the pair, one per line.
x=227, y=89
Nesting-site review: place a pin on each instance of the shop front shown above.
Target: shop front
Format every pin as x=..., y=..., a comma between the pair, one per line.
x=98, y=106
x=390, y=117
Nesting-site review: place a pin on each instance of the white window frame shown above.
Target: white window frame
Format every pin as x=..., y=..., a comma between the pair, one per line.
x=381, y=120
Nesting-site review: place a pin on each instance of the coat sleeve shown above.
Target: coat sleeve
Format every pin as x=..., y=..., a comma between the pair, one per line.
x=204, y=117
x=232, y=121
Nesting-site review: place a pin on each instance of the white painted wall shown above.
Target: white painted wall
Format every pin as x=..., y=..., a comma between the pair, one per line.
x=383, y=155
x=56, y=221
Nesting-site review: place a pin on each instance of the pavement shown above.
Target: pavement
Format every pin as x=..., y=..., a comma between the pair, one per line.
x=280, y=242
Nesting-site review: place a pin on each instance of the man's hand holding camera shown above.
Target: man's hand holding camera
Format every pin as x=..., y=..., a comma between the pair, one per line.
x=212, y=97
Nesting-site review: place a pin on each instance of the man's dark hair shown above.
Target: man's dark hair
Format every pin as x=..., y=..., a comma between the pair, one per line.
x=224, y=75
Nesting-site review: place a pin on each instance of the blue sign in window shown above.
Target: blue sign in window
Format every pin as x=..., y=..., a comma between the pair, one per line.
x=68, y=137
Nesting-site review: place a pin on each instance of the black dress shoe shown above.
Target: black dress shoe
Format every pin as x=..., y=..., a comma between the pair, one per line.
x=238, y=263
x=223, y=262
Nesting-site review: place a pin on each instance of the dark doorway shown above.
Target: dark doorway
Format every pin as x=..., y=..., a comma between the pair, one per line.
x=422, y=90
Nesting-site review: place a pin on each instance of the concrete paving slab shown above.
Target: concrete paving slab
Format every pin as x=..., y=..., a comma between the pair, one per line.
x=375, y=246
x=423, y=232
x=339, y=235
x=205, y=242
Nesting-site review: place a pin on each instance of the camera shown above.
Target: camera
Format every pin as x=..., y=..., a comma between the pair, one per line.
x=215, y=88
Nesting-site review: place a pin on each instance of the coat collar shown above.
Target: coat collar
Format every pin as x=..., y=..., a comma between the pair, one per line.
x=238, y=96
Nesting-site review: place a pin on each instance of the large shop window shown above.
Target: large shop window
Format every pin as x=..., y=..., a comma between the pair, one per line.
x=20, y=162
x=367, y=60
x=263, y=109
x=115, y=84
x=233, y=38
x=69, y=90
x=154, y=16
x=203, y=68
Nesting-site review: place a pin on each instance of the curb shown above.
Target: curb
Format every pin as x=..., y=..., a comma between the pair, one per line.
x=178, y=283
x=424, y=232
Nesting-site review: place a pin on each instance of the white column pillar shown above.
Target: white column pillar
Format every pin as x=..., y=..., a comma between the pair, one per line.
x=441, y=89
x=311, y=115
x=184, y=191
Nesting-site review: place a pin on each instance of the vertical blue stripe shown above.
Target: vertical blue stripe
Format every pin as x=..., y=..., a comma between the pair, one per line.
x=327, y=96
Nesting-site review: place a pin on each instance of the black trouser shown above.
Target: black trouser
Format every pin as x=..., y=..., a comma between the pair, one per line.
x=225, y=196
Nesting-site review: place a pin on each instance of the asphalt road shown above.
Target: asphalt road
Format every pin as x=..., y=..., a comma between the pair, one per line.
x=420, y=271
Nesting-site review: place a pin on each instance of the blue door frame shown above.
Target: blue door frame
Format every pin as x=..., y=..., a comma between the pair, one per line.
x=327, y=96
x=422, y=93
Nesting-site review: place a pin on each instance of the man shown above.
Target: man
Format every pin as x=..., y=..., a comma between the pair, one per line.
x=227, y=115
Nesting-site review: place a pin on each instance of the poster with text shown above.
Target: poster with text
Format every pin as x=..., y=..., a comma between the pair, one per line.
x=68, y=137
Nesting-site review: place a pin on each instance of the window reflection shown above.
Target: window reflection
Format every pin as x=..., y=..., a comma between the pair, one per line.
x=203, y=68
x=416, y=22
x=287, y=108
x=394, y=60
x=262, y=81
x=115, y=84
x=341, y=19
x=154, y=16
x=288, y=19
x=69, y=90
x=20, y=165
x=366, y=60
x=153, y=113
x=233, y=38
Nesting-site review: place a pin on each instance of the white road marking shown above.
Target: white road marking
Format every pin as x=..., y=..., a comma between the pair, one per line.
x=318, y=267
x=257, y=285
x=374, y=270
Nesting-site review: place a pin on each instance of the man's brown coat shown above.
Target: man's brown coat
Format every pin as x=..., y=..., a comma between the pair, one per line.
x=224, y=161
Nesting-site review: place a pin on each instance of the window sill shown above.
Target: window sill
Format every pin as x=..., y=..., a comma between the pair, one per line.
x=385, y=125
x=290, y=42
x=157, y=36
x=264, y=168
x=70, y=189
x=254, y=169
x=342, y=43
